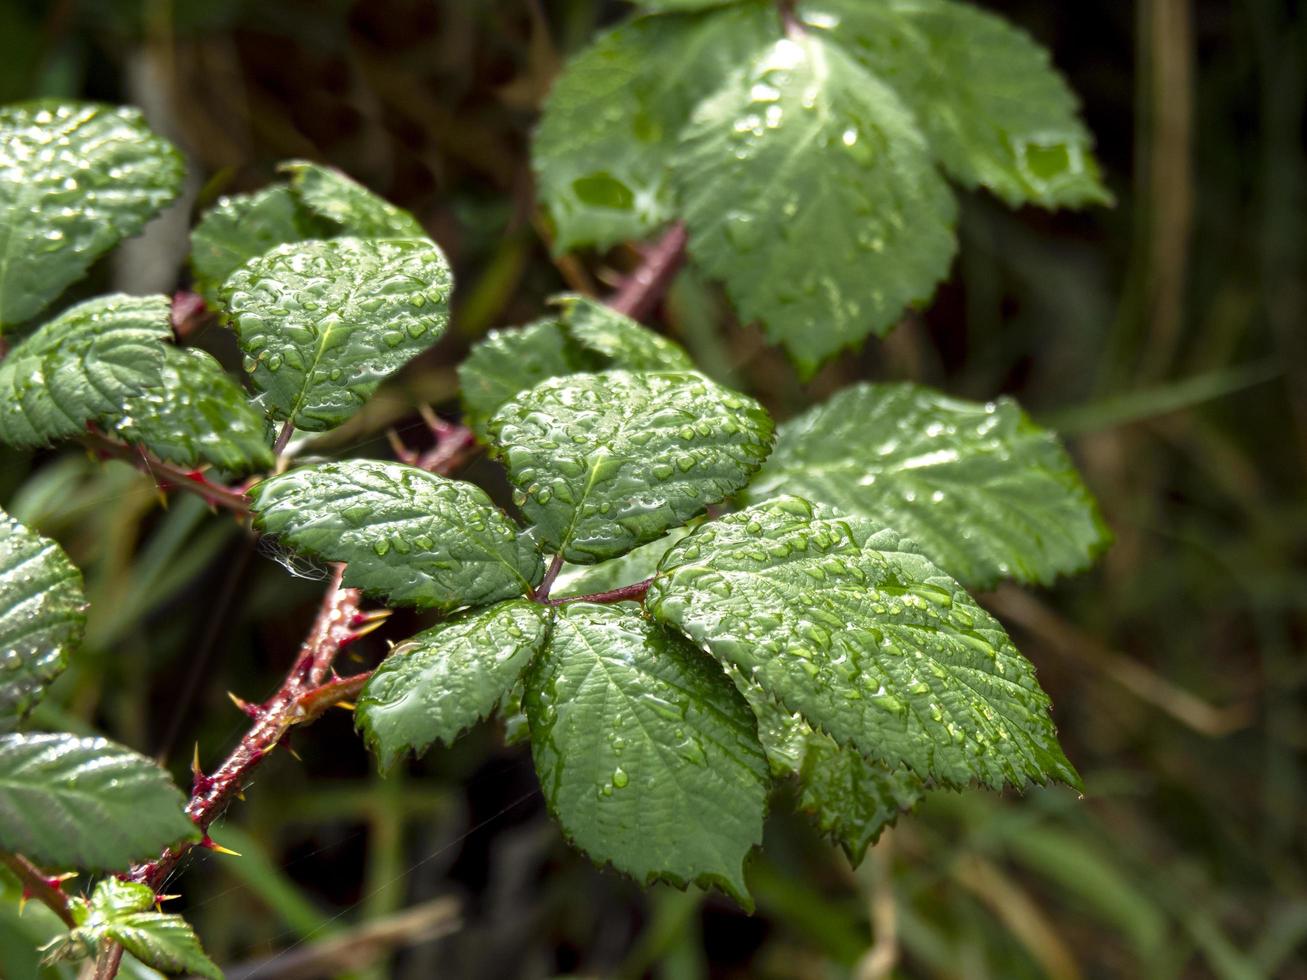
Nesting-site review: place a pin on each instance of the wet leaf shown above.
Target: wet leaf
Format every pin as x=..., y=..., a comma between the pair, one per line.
x=605, y=462
x=445, y=679
x=810, y=192
x=646, y=753
x=198, y=415
x=323, y=323
x=621, y=341
x=81, y=367
x=75, y=179
x=984, y=92
x=332, y=195
x=409, y=536
x=839, y=620
x=41, y=617
x=983, y=491
x=86, y=803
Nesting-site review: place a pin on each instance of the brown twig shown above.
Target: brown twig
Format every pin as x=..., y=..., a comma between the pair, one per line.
x=642, y=288
x=40, y=886
x=168, y=476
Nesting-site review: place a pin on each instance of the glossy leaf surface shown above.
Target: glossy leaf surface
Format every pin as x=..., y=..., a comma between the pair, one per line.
x=86, y=803
x=41, y=617
x=445, y=679
x=605, y=462
x=983, y=491
x=198, y=415
x=646, y=753
x=81, y=367
x=123, y=911
x=75, y=178
x=323, y=323
x=836, y=619
x=407, y=535
x=620, y=340
x=332, y=195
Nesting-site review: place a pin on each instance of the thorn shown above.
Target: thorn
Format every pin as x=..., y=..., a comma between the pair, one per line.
x=210, y=844
x=367, y=617
x=240, y=795
x=401, y=451
x=358, y=634
x=160, y=899
x=435, y=423
x=294, y=755
x=22, y=901
x=244, y=706
x=56, y=881
x=347, y=705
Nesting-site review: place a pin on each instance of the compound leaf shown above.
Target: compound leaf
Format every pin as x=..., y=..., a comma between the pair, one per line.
x=509, y=361
x=75, y=178
x=407, y=535
x=330, y=194
x=605, y=462
x=242, y=227
x=810, y=192
x=647, y=754
x=840, y=621
x=323, y=323
x=41, y=617
x=86, y=802
x=198, y=415
x=82, y=366
x=851, y=798
x=447, y=678
x=995, y=110
x=620, y=340
x=123, y=912
x=981, y=489
x=602, y=151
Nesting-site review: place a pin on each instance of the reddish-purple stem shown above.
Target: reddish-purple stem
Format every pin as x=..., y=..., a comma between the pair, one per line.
x=642, y=289
x=283, y=438
x=40, y=886
x=627, y=593
x=166, y=475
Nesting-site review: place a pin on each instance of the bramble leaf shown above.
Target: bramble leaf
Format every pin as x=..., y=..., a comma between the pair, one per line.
x=330, y=194
x=602, y=150
x=198, y=415
x=408, y=535
x=995, y=110
x=41, y=617
x=509, y=361
x=982, y=490
x=81, y=367
x=122, y=911
x=605, y=462
x=840, y=621
x=809, y=191
x=434, y=685
x=86, y=802
x=646, y=753
x=323, y=323
x=636, y=565
x=75, y=178
x=851, y=798
x=620, y=340
x=242, y=227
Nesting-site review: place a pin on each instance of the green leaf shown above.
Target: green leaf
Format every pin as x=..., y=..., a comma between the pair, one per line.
x=605, y=462
x=982, y=490
x=75, y=178
x=621, y=341
x=198, y=415
x=851, y=798
x=995, y=110
x=121, y=911
x=86, y=803
x=408, y=535
x=840, y=621
x=243, y=227
x=41, y=617
x=447, y=678
x=610, y=124
x=636, y=565
x=647, y=754
x=810, y=192
x=82, y=366
x=330, y=194
x=323, y=323
x=510, y=361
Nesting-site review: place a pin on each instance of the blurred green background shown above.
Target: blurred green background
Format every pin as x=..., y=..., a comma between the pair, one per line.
x=1165, y=337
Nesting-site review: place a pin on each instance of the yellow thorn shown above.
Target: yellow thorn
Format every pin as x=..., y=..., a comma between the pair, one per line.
x=195, y=760
x=22, y=904
x=241, y=704
x=347, y=705
x=295, y=755
x=366, y=629
x=66, y=876
x=215, y=846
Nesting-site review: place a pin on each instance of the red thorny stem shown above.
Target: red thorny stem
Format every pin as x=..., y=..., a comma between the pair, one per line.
x=643, y=287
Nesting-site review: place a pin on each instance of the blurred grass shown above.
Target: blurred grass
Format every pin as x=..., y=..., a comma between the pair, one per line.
x=1165, y=337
